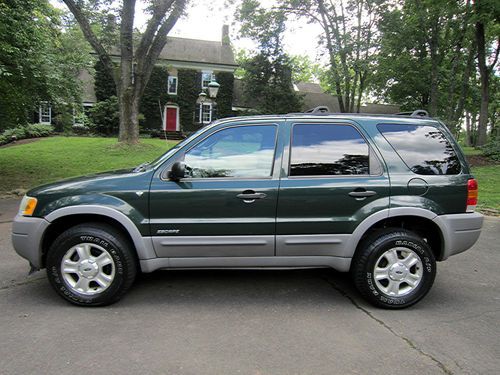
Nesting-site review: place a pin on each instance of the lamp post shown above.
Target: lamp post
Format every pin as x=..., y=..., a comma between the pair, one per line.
x=213, y=90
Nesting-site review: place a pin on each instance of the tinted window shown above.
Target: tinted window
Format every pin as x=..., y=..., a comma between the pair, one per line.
x=424, y=149
x=243, y=151
x=328, y=150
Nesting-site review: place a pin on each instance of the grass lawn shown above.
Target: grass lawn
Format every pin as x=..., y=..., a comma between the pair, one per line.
x=27, y=165
x=488, y=178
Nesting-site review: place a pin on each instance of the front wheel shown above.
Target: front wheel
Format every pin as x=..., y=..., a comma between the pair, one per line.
x=394, y=268
x=91, y=265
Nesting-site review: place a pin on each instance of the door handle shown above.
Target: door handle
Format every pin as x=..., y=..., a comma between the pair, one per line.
x=250, y=196
x=362, y=194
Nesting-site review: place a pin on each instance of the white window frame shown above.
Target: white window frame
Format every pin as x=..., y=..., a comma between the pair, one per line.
x=45, y=117
x=202, y=118
x=212, y=78
x=172, y=79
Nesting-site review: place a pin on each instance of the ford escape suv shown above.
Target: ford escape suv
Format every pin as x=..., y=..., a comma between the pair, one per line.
x=381, y=197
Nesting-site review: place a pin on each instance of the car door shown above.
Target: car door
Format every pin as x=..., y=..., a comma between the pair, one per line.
x=226, y=204
x=332, y=179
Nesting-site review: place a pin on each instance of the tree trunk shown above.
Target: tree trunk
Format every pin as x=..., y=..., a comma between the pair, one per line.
x=484, y=78
x=129, y=117
x=468, y=140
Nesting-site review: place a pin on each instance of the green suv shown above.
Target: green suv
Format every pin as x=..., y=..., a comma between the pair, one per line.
x=383, y=197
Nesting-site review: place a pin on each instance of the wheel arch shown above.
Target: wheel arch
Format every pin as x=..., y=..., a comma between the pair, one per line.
x=67, y=217
x=417, y=220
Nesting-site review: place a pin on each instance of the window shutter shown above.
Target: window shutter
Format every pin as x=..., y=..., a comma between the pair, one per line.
x=214, y=111
x=197, y=110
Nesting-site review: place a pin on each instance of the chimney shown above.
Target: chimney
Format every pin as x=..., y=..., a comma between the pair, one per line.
x=225, y=35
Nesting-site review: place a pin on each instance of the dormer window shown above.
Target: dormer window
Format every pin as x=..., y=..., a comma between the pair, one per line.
x=172, y=85
x=206, y=78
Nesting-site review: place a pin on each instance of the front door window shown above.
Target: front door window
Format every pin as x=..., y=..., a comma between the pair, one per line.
x=239, y=152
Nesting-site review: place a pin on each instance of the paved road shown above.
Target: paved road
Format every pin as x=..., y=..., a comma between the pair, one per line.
x=253, y=322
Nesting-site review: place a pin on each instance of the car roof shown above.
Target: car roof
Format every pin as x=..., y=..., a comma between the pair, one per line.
x=363, y=117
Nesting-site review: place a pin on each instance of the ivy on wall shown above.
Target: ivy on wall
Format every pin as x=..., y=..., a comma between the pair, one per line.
x=188, y=88
x=155, y=97
x=104, y=84
x=225, y=95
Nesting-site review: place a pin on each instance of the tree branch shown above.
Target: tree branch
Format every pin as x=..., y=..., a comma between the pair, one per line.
x=92, y=38
x=145, y=64
x=159, y=13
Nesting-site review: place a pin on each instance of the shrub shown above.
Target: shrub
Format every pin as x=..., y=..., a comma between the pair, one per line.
x=25, y=131
x=105, y=117
x=492, y=149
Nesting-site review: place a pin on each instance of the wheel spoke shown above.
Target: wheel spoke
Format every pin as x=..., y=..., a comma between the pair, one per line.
x=70, y=267
x=381, y=273
x=83, y=251
x=412, y=280
x=393, y=287
x=103, y=280
x=103, y=260
x=391, y=256
x=410, y=260
x=82, y=284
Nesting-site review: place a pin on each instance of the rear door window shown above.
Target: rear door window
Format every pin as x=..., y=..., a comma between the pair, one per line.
x=423, y=148
x=328, y=150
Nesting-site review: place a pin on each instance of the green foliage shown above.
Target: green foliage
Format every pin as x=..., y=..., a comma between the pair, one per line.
x=104, y=84
x=38, y=61
x=188, y=88
x=492, y=149
x=25, y=131
x=268, y=82
x=225, y=95
x=305, y=70
x=104, y=116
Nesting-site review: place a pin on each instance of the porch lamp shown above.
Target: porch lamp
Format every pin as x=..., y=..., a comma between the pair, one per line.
x=213, y=89
x=202, y=97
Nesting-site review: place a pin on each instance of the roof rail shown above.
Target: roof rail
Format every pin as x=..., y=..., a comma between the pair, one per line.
x=416, y=113
x=319, y=109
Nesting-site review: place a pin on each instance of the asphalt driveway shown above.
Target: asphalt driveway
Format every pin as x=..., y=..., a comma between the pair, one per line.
x=253, y=322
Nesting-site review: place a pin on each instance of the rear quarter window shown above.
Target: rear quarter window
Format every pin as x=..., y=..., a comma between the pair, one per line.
x=423, y=148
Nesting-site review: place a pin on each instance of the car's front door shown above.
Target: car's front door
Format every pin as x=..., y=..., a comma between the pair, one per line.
x=226, y=204
x=333, y=179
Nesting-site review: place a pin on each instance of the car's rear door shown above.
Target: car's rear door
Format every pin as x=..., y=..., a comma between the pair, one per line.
x=333, y=178
x=226, y=206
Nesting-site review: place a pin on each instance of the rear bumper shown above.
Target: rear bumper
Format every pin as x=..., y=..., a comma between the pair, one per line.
x=27, y=233
x=460, y=232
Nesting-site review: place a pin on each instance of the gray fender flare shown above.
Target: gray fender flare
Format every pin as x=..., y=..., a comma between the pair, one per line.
x=143, y=245
x=385, y=214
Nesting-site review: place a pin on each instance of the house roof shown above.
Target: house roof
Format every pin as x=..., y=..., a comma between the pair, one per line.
x=199, y=51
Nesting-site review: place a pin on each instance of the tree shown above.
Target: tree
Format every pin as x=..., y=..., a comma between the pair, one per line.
x=135, y=63
x=487, y=14
x=267, y=75
x=350, y=38
x=40, y=58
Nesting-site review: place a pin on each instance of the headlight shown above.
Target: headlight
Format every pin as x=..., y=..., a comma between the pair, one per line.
x=28, y=205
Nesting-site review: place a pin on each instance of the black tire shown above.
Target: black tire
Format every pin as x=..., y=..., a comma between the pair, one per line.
x=372, y=253
x=103, y=236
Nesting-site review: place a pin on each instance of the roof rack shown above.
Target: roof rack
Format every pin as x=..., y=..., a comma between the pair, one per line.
x=319, y=109
x=416, y=113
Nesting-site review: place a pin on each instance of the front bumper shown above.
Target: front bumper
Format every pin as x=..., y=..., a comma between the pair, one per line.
x=27, y=234
x=460, y=232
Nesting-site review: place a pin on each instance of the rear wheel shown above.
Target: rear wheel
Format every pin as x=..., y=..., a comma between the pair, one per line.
x=394, y=268
x=91, y=265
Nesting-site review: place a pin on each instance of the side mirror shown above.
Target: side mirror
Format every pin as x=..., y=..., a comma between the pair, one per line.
x=178, y=171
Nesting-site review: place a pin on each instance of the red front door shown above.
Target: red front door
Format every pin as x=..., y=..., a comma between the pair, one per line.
x=171, y=122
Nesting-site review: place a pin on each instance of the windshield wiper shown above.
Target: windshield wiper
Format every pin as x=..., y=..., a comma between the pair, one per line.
x=141, y=167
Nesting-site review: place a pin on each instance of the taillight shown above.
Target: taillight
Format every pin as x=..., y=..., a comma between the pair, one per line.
x=471, y=195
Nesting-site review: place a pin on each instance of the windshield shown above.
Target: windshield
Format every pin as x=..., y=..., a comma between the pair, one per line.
x=160, y=159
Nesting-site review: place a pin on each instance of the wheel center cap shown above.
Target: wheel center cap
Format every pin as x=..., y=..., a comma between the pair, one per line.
x=88, y=268
x=398, y=271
